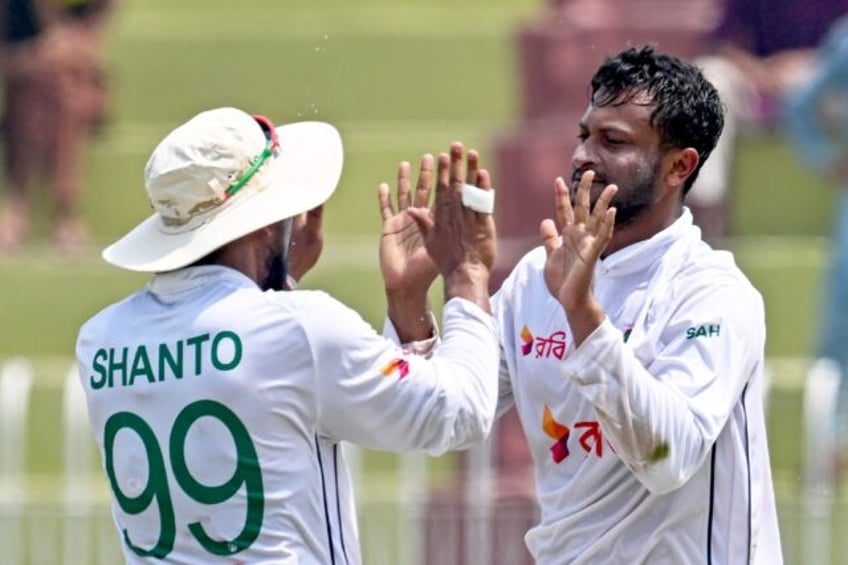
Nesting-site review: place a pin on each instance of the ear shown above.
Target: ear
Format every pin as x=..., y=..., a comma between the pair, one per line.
x=681, y=163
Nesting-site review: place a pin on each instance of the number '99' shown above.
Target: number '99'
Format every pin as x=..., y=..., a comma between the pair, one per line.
x=247, y=473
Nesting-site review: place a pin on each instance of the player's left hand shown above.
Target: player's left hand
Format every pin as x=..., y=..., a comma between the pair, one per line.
x=307, y=242
x=586, y=231
x=405, y=265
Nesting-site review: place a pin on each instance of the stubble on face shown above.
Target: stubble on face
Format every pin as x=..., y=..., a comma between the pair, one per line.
x=636, y=174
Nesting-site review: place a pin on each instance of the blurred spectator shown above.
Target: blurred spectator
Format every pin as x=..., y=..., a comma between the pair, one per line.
x=817, y=124
x=760, y=49
x=54, y=97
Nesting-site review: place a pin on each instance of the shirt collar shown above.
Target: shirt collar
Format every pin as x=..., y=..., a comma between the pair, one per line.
x=643, y=255
x=183, y=280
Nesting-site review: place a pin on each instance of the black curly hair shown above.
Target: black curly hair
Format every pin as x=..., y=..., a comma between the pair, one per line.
x=687, y=109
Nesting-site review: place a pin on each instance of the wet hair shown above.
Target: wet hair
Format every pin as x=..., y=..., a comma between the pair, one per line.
x=687, y=110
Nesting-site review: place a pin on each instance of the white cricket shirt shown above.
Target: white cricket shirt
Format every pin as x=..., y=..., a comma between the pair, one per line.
x=219, y=410
x=649, y=441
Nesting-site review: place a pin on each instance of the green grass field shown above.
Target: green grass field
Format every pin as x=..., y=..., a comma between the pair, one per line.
x=398, y=78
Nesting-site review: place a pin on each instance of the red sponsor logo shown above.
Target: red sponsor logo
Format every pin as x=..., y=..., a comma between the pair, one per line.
x=399, y=365
x=590, y=441
x=544, y=347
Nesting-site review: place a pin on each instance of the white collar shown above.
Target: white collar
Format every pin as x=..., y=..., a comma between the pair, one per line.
x=189, y=278
x=644, y=255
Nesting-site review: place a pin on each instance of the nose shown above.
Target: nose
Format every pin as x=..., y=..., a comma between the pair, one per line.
x=583, y=156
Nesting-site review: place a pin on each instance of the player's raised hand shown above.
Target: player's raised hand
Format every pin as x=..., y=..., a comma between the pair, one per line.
x=307, y=242
x=459, y=233
x=586, y=232
x=404, y=262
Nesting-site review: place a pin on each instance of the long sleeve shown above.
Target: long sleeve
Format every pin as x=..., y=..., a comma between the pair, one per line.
x=663, y=419
x=500, y=309
x=373, y=393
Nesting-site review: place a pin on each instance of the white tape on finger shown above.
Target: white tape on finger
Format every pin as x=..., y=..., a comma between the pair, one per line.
x=478, y=199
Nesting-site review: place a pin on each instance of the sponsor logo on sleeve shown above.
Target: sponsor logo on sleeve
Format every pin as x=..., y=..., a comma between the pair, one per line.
x=399, y=366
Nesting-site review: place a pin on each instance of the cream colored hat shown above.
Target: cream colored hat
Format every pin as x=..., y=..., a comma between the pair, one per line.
x=219, y=177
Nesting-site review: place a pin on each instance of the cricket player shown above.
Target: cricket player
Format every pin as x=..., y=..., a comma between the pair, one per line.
x=632, y=351
x=219, y=400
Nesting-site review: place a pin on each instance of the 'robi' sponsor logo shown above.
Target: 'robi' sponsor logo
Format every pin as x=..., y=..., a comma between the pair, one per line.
x=544, y=347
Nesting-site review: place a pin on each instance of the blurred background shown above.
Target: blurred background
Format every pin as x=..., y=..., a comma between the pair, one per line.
x=398, y=78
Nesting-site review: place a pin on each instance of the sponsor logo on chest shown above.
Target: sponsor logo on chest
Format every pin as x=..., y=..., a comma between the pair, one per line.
x=543, y=347
x=705, y=330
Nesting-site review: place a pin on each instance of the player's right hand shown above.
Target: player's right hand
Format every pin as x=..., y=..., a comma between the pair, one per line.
x=462, y=242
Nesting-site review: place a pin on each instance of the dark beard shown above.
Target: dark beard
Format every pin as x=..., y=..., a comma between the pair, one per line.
x=275, y=273
x=276, y=268
x=639, y=198
x=632, y=200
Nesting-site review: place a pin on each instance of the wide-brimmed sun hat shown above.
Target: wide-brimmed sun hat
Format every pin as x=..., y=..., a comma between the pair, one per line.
x=222, y=175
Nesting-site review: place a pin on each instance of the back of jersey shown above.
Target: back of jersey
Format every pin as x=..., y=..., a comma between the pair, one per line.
x=201, y=398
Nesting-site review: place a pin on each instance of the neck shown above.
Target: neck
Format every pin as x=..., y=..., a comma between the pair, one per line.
x=244, y=256
x=645, y=227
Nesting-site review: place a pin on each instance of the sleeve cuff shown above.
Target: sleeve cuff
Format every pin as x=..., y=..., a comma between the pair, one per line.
x=422, y=347
x=590, y=356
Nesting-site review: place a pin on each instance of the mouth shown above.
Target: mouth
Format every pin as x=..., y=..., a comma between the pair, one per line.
x=599, y=180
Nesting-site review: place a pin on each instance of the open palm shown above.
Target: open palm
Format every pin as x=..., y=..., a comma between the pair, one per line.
x=404, y=262
x=571, y=260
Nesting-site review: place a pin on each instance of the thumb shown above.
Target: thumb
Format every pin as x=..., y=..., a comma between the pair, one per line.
x=550, y=237
x=423, y=219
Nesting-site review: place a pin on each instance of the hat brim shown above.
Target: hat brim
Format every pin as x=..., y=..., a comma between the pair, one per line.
x=304, y=175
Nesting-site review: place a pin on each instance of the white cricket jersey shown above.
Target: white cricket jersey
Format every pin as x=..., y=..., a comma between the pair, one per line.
x=649, y=441
x=219, y=410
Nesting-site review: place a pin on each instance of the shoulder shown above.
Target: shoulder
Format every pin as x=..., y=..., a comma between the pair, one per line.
x=714, y=277
x=316, y=311
x=106, y=317
x=527, y=268
x=305, y=301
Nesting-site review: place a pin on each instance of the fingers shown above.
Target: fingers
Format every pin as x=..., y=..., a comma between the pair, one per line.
x=456, y=179
x=472, y=167
x=425, y=178
x=562, y=203
x=608, y=225
x=602, y=205
x=582, y=203
x=550, y=237
x=423, y=218
x=403, y=186
x=452, y=170
x=605, y=228
x=443, y=172
x=483, y=179
x=405, y=198
x=385, y=200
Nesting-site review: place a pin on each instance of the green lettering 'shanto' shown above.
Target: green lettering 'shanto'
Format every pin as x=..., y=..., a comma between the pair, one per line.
x=150, y=364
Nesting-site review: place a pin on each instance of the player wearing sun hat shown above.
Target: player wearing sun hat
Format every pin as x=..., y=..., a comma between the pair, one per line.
x=219, y=402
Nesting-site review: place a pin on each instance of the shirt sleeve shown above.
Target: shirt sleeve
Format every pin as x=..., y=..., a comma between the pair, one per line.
x=422, y=347
x=662, y=419
x=372, y=392
x=506, y=400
